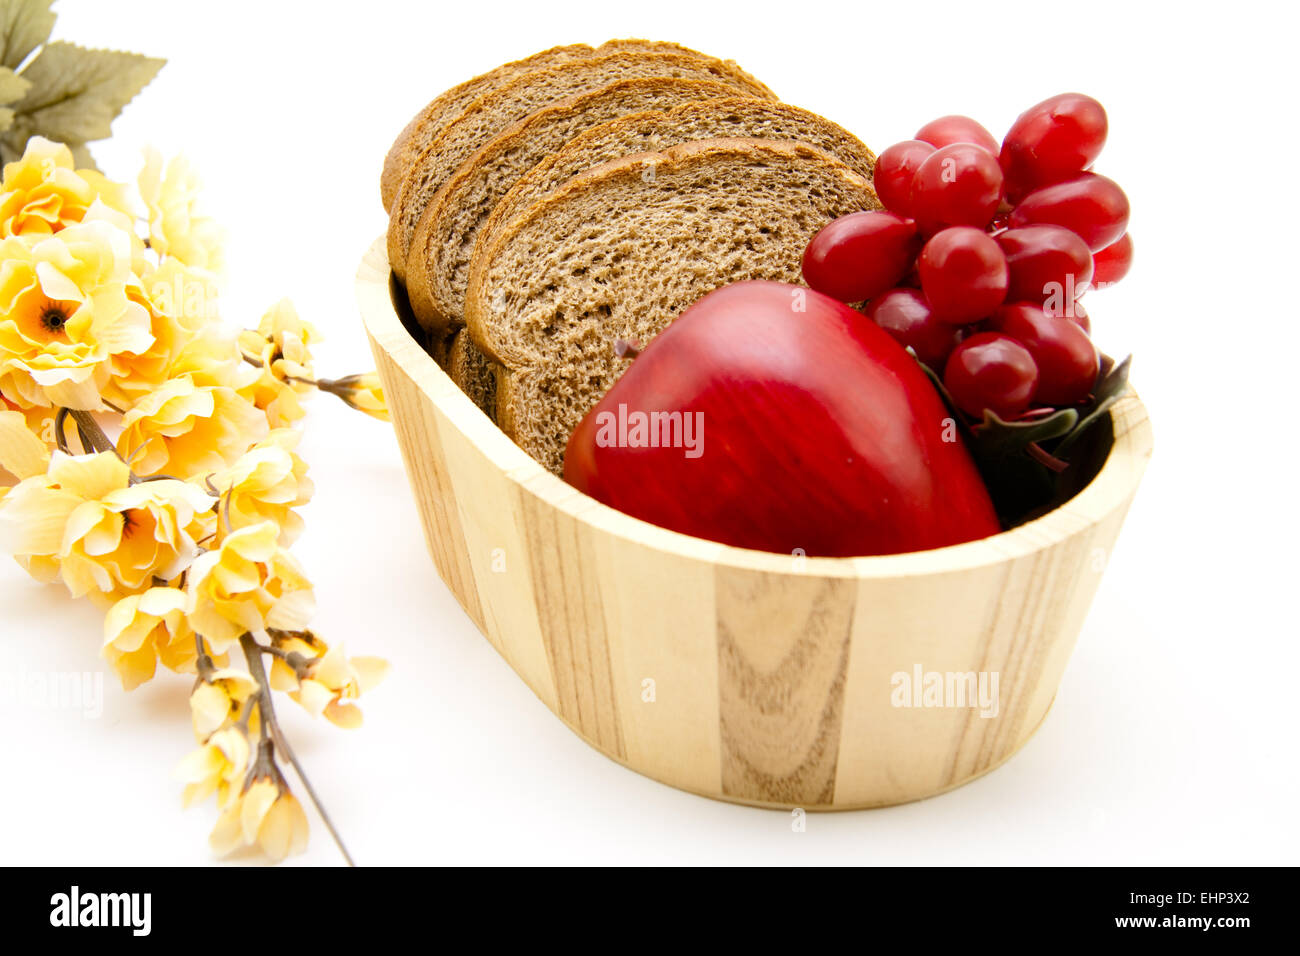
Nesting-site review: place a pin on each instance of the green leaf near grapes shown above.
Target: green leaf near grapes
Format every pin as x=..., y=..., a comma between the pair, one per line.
x=1111, y=383
x=1042, y=459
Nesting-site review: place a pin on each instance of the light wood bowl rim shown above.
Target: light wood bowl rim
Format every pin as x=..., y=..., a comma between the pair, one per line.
x=1112, y=488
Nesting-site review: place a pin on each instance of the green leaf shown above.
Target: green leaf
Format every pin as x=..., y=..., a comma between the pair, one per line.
x=1113, y=382
x=76, y=93
x=12, y=86
x=1023, y=481
x=24, y=25
x=996, y=437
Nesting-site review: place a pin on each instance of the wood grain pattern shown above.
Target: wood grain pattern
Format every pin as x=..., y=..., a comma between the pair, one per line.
x=417, y=434
x=497, y=552
x=783, y=643
x=667, y=688
x=569, y=607
x=745, y=676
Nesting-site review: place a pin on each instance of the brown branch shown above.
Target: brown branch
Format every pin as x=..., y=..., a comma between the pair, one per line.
x=253, y=654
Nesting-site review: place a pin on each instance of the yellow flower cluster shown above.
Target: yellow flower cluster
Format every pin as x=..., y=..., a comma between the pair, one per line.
x=84, y=521
x=266, y=484
x=176, y=230
x=248, y=584
x=179, y=523
x=265, y=815
x=321, y=678
x=141, y=629
x=43, y=193
x=92, y=317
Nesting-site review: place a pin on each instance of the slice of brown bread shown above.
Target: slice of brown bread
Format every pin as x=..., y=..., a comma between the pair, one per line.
x=473, y=371
x=433, y=119
x=621, y=250
x=493, y=112
x=437, y=264
x=430, y=121
x=657, y=130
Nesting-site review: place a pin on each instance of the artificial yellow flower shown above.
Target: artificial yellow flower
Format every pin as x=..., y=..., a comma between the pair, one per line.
x=216, y=767
x=334, y=682
x=22, y=453
x=280, y=347
x=283, y=342
x=68, y=304
x=219, y=699
x=211, y=359
x=266, y=484
x=43, y=192
x=85, y=522
x=248, y=584
x=175, y=228
x=188, y=294
x=266, y=815
x=141, y=629
x=363, y=392
x=298, y=652
x=280, y=402
x=184, y=429
x=41, y=426
x=186, y=337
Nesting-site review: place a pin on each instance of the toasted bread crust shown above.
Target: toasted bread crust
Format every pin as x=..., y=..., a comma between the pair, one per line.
x=438, y=259
x=425, y=125
x=494, y=111
x=430, y=121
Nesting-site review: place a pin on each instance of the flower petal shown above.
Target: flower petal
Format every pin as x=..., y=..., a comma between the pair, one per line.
x=22, y=454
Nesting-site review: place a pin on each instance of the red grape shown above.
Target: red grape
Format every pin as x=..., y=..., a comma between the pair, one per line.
x=1113, y=262
x=858, y=256
x=905, y=315
x=1079, y=316
x=895, y=168
x=1061, y=308
x=958, y=185
x=1052, y=141
x=993, y=371
x=947, y=130
x=1091, y=206
x=963, y=275
x=1045, y=262
x=1067, y=360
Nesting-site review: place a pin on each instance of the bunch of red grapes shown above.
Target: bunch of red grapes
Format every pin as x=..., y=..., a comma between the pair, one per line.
x=980, y=259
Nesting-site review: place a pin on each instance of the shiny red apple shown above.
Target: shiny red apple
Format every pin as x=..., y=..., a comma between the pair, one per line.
x=773, y=417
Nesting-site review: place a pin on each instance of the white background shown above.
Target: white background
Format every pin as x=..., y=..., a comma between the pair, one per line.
x=1173, y=738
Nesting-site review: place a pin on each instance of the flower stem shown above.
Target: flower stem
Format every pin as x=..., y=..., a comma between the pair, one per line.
x=253, y=654
x=323, y=384
x=92, y=436
x=88, y=431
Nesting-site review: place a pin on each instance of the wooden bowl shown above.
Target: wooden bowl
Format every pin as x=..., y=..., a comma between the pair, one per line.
x=759, y=678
